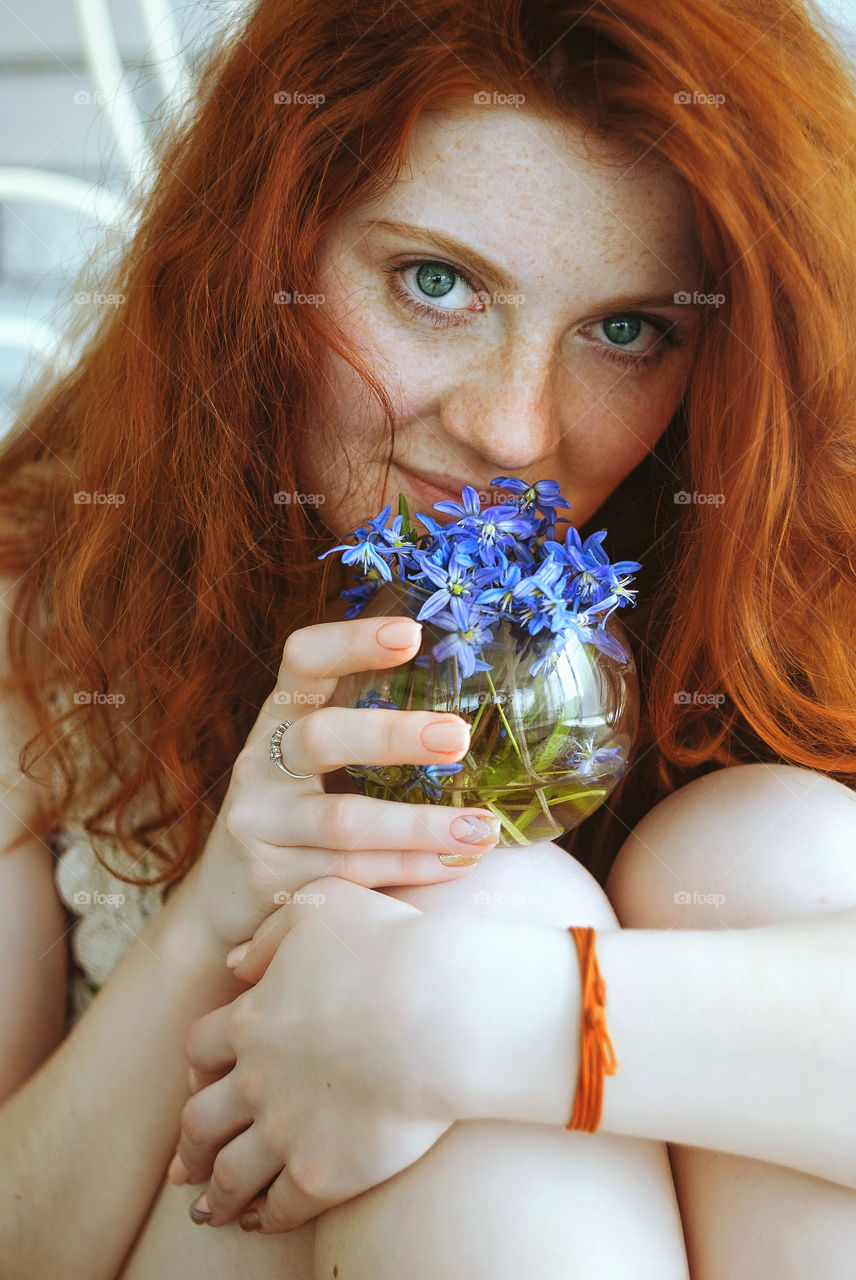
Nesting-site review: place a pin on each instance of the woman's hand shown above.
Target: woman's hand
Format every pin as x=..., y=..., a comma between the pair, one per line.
x=335, y=1060
x=274, y=833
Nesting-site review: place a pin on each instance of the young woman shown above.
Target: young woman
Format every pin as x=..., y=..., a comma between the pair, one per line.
x=548, y=240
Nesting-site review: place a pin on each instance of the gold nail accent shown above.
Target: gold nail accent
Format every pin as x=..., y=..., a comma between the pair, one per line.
x=459, y=859
x=250, y=1220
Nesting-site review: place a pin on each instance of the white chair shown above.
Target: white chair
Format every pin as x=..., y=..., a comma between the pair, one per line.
x=97, y=206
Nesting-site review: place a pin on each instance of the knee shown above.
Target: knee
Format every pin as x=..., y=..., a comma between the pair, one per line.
x=542, y=884
x=746, y=845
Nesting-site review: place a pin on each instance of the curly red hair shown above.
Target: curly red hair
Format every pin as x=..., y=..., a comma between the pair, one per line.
x=176, y=584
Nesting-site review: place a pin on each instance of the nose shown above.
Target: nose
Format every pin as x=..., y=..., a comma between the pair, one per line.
x=507, y=408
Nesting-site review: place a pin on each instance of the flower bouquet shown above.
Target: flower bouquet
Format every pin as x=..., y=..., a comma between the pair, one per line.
x=519, y=638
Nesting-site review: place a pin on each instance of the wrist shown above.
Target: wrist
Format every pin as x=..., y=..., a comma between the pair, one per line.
x=504, y=1000
x=184, y=934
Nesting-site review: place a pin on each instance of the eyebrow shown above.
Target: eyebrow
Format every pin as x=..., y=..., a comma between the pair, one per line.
x=490, y=271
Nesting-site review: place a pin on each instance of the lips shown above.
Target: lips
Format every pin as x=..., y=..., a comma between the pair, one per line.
x=444, y=488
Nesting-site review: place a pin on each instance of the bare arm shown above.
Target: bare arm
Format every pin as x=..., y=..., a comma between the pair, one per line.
x=740, y=1041
x=87, y=1139
x=32, y=964
x=32, y=919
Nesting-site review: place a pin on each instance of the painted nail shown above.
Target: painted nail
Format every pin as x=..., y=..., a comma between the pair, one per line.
x=177, y=1172
x=199, y=1211
x=475, y=830
x=459, y=859
x=442, y=735
x=250, y=1220
x=399, y=635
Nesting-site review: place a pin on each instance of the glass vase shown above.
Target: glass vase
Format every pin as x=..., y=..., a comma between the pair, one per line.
x=545, y=750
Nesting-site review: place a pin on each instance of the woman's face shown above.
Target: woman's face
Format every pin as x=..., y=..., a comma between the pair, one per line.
x=523, y=322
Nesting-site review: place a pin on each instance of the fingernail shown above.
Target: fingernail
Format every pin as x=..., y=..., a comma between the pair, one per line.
x=459, y=859
x=177, y=1173
x=250, y=1220
x=199, y=1211
x=399, y=635
x=237, y=954
x=443, y=735
x=475, y=830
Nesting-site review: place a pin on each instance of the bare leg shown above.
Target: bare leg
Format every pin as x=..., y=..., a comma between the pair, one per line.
x=171, y=1247
x=748, y=845
x=500, y=1201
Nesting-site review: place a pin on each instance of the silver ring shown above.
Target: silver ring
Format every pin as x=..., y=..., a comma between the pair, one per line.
x=276, y=753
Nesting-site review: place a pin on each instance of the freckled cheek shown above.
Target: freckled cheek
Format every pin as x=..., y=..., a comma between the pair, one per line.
x=610, y=436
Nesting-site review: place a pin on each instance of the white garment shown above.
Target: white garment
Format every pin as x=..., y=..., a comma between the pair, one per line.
x=111, y=914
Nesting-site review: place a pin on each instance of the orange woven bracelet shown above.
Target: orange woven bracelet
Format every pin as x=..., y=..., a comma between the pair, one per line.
x=597, y=1056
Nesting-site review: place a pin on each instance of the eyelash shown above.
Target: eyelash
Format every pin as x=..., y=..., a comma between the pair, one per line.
x=669, y=336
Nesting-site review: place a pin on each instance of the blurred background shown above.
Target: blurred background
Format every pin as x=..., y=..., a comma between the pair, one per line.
x=82, y=86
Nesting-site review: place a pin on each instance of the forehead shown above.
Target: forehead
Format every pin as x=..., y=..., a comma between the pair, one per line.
x=519, y=184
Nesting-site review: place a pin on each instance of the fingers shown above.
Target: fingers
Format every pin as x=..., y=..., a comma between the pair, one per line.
x=357, y=824
x=243, y=1168
x=335, y=736
x=209, y=1120
x=207, y=1043
x=285, y=1207
x=314, y=657
x=369, y=869
x=262, y=947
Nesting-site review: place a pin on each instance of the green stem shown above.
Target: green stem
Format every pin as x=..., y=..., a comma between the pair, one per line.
x=506, y=822
x=502, y=717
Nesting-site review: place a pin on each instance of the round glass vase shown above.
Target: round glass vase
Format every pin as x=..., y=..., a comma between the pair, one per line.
x=545, y=750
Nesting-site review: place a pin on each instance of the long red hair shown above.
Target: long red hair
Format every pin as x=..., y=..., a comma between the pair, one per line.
x=176, y=584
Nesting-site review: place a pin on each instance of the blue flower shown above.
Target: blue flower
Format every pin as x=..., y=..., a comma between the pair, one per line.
x=429, y=778
x=468, y=635
x=500, y=563
x=495, y=529
x=502, y=595
x=466, y=509
x=366, y=553
x=543, y=495
x=359, y=596
x=594, y=576
x=593, y=762
x=373, y=699
x=543, y=606
x=453, y=581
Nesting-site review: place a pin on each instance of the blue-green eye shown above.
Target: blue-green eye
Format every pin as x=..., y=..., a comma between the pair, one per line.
x=435, y=279
x=439, y=280
x=622, y=329
x=442, y=282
